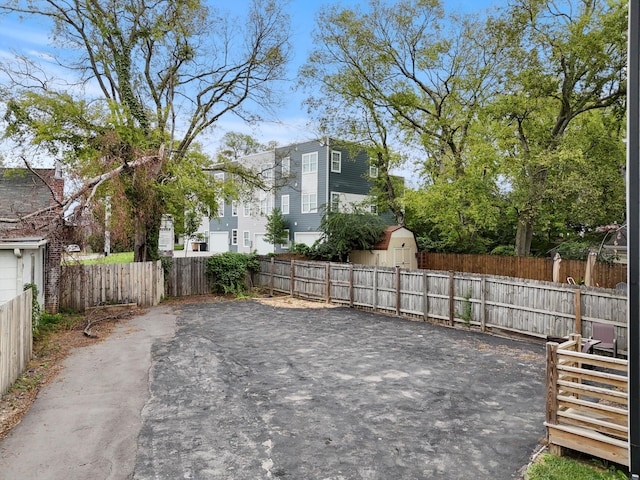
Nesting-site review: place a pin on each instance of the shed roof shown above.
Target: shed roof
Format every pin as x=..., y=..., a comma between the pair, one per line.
x=384, y=243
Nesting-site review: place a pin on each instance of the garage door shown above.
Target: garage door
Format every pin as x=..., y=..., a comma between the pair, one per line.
x=218, y=242
x=8, y=275
x=261, y=245
x=307, y=238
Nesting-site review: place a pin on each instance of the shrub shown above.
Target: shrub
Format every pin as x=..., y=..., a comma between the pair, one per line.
x=36, y=312
x=230, y=270
x=504, y=250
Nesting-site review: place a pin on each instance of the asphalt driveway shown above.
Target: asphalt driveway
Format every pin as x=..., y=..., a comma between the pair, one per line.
x=241, y=390
x=248, y=391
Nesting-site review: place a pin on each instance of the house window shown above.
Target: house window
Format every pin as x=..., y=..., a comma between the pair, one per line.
x=286, y=244
x=335, y=202
x=373, y=209
x=245, y=239
x=218, y=177
x=286, y=166
x=284, y=204
x=234, y=208
x=310, y=162
x=234, y=237
x=266, y=206
x=247, y=209
x=220, y=209
x=309, y=202
x=266, y=170
x=336, y=161
x=373, y=171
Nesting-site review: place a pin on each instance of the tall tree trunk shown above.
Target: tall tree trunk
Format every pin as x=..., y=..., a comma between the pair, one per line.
x=524, y=235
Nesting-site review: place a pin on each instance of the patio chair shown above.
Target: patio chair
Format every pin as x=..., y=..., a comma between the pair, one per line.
x=606, y=334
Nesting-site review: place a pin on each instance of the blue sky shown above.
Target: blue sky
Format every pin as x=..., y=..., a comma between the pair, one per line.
x=31, y=38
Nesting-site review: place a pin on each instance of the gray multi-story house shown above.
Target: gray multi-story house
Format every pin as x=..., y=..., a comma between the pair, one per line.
x=303, y=179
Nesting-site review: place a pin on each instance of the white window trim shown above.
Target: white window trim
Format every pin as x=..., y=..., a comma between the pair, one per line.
x=234, y=236
x=286, y=166
x=282, y=204
x=218, y=177
x=234, y=208
x=221, y=210
x=246, y=210
x=311, y=167
x=339, y=169
x=337, y=204
x=246, y=239
x=373, y=171
x=312, y=207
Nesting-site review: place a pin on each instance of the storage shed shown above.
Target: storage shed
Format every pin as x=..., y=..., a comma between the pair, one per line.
x=22, y=261
x=398, y=248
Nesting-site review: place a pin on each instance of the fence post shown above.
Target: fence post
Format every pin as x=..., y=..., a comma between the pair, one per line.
x=271, y=267
x=425, y=296
x=351, y=285
x=375, y=288
x=398, y=299
x=451, y=297
x=327, y=279
x=292, y=278
x=483, y=304
x=578, y=304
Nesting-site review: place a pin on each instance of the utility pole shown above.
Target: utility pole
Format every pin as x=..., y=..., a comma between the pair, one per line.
x=633, y=240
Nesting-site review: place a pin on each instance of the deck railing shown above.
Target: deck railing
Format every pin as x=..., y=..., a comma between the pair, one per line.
x=587, y=402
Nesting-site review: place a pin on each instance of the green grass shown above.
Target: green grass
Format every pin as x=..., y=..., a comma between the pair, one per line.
x=125, y=257
x=552, y=467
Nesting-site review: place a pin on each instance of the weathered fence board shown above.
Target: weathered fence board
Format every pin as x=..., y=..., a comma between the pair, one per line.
x=16, y=338
x=85, y=286
x=188, y=276
x=604, y=275
x=529, y=307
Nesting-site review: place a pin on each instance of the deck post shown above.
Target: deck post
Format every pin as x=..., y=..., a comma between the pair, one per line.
x=551, y=414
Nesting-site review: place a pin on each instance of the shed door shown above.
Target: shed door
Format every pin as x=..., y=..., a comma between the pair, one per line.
x=402, y=257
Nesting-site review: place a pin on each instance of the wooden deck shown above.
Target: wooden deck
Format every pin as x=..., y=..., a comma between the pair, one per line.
x=587, y=402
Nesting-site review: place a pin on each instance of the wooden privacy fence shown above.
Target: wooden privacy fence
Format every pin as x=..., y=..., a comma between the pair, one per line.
x=528, y=307
x=587, y=402
x=16, y=338
x=604, y=275
x=85, y=286
x=188, y=276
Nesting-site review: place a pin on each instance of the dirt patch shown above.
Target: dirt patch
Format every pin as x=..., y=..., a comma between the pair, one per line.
x=289, y=302
x=49, y=352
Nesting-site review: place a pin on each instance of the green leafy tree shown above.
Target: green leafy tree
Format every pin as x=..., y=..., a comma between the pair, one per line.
x=394, y=77
x=276, y=231
x=564, y=74
x=344, y=232
x=165, y=73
